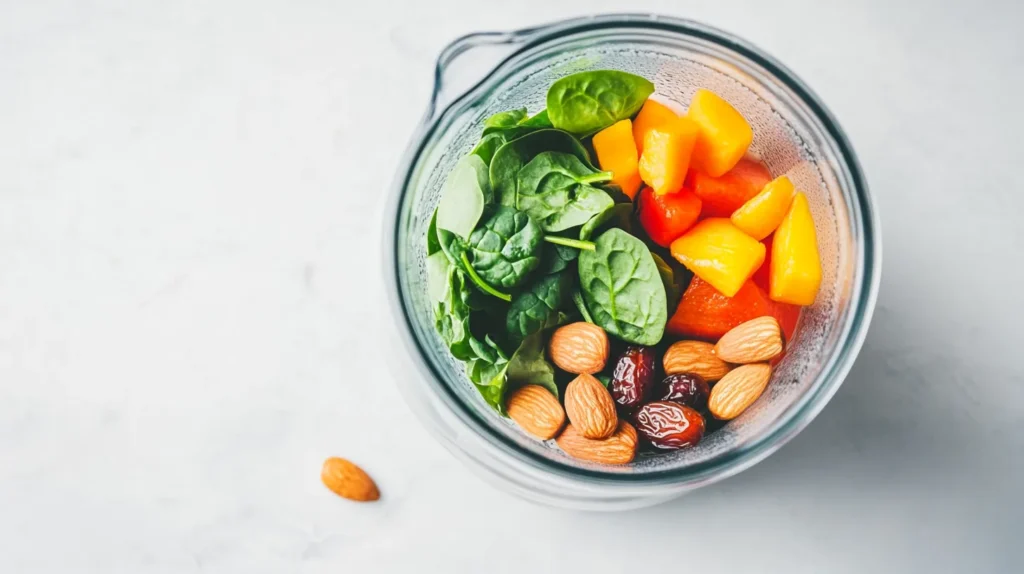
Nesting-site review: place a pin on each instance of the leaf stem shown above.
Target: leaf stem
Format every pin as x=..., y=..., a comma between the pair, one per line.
x=598, y=177
x=574, y=243
x=577, y=298
x=479, y=281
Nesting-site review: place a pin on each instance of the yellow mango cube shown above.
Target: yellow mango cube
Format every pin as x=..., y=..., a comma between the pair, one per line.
x=616, y=152
x=719, y=253
x=761, y=214
x=666, y=156
x=724, y=134
x=653, y=114
x=795, y=272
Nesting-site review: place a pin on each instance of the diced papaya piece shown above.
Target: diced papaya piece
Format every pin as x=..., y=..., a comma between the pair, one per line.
x=705, y=313
x=666, y=217
x=719, y=253
x=724, y=134
x=652, y=115
x=666, y=156
x=761, y=214
x=795, y=273
x=724, y=195
x=761, y=276
x=616, y=152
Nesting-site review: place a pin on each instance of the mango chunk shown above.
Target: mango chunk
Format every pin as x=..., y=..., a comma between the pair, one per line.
x=795, y=273
x=761, y=214
x=616, y=152
x=652, y=115
x=719, y=253
x=724, y=134
x=666, y=156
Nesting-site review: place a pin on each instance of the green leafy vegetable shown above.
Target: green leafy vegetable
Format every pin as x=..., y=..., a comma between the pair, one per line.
x=537, y=307
x=489, y=144
x=463, y=196
x=538, y=121
x=451, y=317
x=437, y=276
x=480, y=282
x=433, y=245
x=586, y=102
x=674, y=278
x=619, y=215
x=512, y=156
x=529, y=367
x=503, y=120
x=487, y=372
x=505, y=247
x=555, y=189
x=622, y=288
x=555, y=258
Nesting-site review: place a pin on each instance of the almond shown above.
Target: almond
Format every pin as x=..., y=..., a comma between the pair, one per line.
x=755, y=341
x=590, y=407
x=738, y=390
x=536, y=411
x=348, y=480
x=620, y=448
x=695, y=357
x=579, y=348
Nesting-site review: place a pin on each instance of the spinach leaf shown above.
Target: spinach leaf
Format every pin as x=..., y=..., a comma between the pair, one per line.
x=463, y=196
x=554, y=258
x=619, y=215
x=433, y=245
x=674, y=278
x=503, y=120
x=512, y=156
x=451, y=316
x=457, y=252
x=537, y=307
x=486, y=370
x=616, y=193
x=505, y=247
x=538, y=121
x=489, y=144
x=587, y=102
x=437, y=276
x=529, y=367
x=554, y=188
x=622, y=288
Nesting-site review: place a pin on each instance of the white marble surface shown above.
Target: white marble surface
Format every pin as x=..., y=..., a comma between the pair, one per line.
x=191, y=300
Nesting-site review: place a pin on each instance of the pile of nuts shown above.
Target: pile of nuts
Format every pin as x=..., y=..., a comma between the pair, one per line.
x=608, y=423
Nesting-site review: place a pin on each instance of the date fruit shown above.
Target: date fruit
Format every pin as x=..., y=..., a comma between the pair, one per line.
x=669, y=426
x=687, y=389
x=633, y=377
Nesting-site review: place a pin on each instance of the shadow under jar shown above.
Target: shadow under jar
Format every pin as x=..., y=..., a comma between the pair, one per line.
x=793, y=134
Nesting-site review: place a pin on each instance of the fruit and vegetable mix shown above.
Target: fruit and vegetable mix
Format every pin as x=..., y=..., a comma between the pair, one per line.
x=612, y=262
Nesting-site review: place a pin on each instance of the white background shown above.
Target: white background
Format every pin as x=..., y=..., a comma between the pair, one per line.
x=191, y=301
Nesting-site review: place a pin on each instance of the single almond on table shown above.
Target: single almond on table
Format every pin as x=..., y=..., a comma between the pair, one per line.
x=348, y=480
x=695, y=357
x=590, y=407
x=620, y=448
x=755, y=341
x=579, y=348
x=738, y=390
x=536, y=411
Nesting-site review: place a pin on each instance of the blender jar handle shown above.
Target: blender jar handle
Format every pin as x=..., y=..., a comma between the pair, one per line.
x=466, y=61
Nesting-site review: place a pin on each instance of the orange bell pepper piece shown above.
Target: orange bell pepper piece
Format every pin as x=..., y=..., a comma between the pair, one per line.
x=704, y=313
x=652, y=115
x=616, y=152
x=795, y=273
x=724, y=195
x=719, y=253
x=761, y=214
x=724, y=134
x=666, y=156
